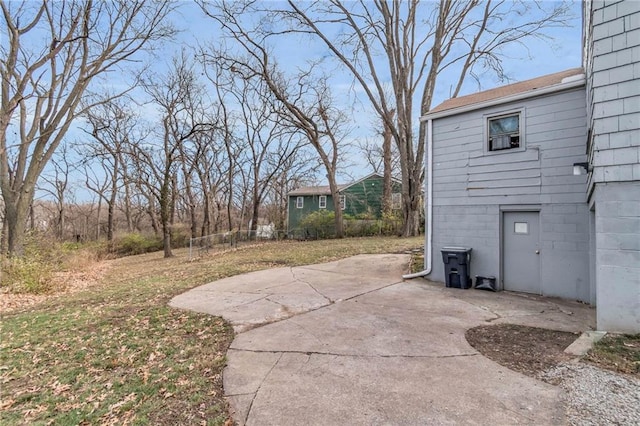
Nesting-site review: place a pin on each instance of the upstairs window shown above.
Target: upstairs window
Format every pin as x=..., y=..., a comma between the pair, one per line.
x=343, y=202
x=504, y=132
x=322, y=202
x=299, y=202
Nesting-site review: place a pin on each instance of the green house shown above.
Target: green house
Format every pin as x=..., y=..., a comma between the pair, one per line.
x=360, y=199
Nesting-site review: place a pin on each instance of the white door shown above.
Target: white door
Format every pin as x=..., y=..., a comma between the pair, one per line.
x=521, y=252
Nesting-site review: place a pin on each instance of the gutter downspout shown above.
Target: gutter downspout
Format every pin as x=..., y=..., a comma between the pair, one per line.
x=428, y=208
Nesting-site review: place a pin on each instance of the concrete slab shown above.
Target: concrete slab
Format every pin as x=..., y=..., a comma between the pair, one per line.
x=359, y=329
x=348, y=342
x=582, y=344
x=330, y=389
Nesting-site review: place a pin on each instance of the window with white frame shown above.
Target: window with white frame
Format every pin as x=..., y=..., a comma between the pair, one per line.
x=396, y=200
x=322, y=202
x=343, y=202
x=504, y=132
x=299, y=202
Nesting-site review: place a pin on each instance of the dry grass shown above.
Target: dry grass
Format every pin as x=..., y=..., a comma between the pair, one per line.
x=617, y=352
x=112, y=352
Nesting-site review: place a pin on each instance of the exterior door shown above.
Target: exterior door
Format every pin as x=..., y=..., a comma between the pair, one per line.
x=521, y=252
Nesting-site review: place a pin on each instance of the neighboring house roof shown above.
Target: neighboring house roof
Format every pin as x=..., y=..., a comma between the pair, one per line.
x=367, y=177
x=314, y=190
x=528, y=88
x=325, y=190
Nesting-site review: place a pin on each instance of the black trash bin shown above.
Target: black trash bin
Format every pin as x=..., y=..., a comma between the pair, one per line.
x=457, y=261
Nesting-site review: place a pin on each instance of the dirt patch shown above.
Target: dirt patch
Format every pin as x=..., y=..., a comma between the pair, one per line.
x=527, y=350
x=66, y=282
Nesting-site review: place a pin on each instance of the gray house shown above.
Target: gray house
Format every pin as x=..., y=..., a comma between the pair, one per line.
x=542, y=178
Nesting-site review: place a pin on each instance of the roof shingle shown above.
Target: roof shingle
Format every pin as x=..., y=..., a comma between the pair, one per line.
x=314, y=190
x=508, y=90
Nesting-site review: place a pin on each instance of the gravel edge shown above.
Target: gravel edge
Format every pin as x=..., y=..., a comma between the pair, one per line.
x=593, y=396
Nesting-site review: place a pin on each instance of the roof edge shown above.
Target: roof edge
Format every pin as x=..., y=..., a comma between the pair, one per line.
x=349, y=185
x=341, y=187
x=506, y=99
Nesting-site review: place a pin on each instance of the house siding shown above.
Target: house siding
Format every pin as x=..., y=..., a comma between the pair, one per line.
x=612, y=62
x=613, y=88
x=472, y=187
x=311, y=204
x=364, y=198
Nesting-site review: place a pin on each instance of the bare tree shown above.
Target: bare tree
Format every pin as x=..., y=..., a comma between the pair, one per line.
x=177, y=96
x=114, y=127
x=210, y=163
x=54, y=51
x=58, y=186
x=305, y=100
x=297, y=171
x=270, y=143
x=99, y=182
x=411, y=43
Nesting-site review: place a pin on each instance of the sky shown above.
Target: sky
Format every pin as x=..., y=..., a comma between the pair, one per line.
x=541, y=58
x=538, y=59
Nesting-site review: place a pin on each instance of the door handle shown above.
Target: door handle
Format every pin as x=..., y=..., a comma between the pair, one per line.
x=537, y=251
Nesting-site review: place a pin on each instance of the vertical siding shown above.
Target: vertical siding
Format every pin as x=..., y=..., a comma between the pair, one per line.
x=365, y=197
x=311, y=204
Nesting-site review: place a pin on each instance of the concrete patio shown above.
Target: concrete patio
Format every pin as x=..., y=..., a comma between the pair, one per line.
x=348, y=342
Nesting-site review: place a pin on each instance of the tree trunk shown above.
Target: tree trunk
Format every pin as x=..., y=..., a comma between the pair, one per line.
x=166, y=240
x=387, y=137
x=98, y=221
x=255, y=209
x=166, y=211
x=112, y=199
x=127, y=208
x=3, y=236
x=32, y=218
x=165, y=218
x=336, y=205
x=206, y=216
x=15, y=219
x=154, y=220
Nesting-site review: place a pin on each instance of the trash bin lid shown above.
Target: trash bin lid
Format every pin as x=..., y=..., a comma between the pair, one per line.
x=457, y=249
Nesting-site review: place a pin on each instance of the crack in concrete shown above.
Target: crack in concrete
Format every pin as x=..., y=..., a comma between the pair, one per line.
x=276, y=320
x=294, y=314
x=250, y=302
x=484, y=308
x=240, y=394
x=551, y=307
x=309, y=353
x=371, y=291
x=311, y=285
x=255, y=394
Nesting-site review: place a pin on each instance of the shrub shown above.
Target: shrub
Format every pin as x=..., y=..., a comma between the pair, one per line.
x=31, y=273
x=180, y=236
x=319, y=224
x=27, y=274
x=135, y=243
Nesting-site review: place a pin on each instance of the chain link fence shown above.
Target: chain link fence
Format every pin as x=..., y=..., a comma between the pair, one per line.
x=232, y=239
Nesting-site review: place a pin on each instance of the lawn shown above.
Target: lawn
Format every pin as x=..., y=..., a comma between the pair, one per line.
x=115, y=353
